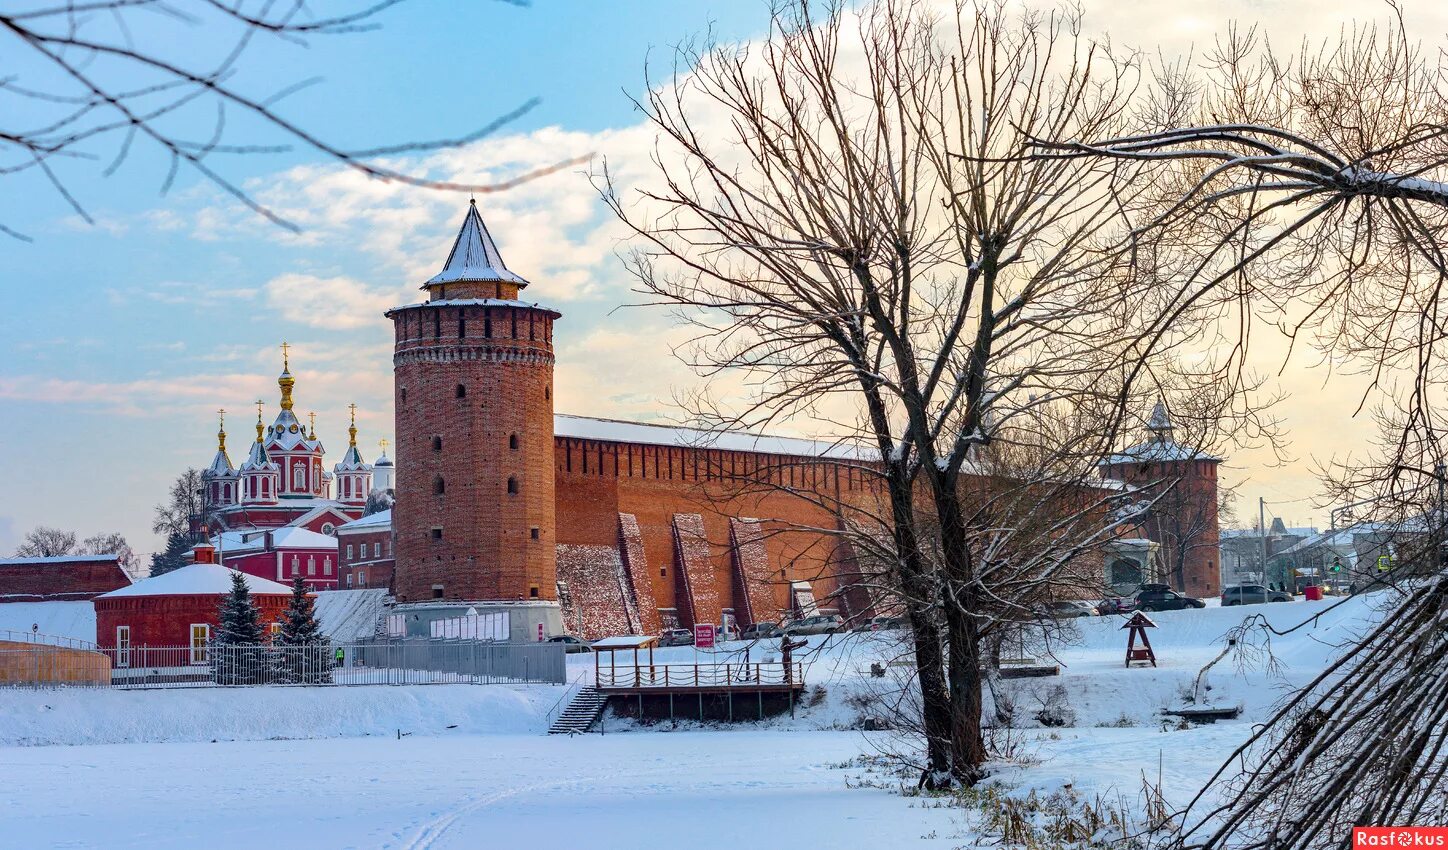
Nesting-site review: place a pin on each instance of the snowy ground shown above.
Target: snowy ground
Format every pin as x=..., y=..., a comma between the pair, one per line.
x=202, y=767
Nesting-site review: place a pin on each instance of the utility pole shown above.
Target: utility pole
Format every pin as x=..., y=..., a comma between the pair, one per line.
x=1262, y=526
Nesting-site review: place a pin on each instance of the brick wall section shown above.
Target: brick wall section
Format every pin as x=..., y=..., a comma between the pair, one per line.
x=73, y=579
x=753, y=601
x=167, y=620
x=370, y=562
x=484, y=547
x=636, y=567
x=696, y=591
x=596, y=605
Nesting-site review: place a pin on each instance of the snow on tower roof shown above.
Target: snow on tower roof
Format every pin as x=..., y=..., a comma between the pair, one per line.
x=197, y=579
x=474, y=256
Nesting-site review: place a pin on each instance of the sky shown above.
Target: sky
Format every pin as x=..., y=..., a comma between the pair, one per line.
x=121, y=338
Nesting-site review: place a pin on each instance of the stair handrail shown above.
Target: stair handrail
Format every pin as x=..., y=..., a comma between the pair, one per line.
x=570, y=690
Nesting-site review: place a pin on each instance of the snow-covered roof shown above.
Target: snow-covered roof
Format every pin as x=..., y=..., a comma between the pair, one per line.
x=474, y=256
x=287, y=537
x=1160, y=420
x=288, y=434
x=352, y=461
x=371, y=522
x=475, y=302
x=220, y=466
x=57, y=559
x=197, y=579
x=257, y=459
x=1158, y=450
x=614, y=430
x=382, y=461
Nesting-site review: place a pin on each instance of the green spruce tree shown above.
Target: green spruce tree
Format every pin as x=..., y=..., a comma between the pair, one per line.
x=177, y=545
x=237, y=657
x=302, y=653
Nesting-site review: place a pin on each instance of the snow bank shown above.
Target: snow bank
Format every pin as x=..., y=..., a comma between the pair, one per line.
x=82, y=716
x=75, y=620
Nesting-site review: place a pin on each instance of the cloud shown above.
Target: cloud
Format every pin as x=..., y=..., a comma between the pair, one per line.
x=328, y=302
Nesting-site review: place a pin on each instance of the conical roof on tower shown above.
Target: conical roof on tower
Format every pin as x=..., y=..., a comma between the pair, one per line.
x=474, y=256
x=221, y=463
x=1160, y=445
x=352, y=460
x=257, y=458
x=287, y=433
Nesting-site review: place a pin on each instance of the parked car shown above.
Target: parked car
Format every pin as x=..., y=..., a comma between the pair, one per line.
x=572, y=642
x=1067, y=609
x=821, y=624
x=759, y=631
x=882, y=624
x=1116, y=605
x=1249, y=594
x=1150, y=598
x=676, y=637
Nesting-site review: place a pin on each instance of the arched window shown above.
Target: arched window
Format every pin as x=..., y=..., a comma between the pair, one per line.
x=402, y=391
x=461, y=391
x=438, y=486
x=437, y=444
x=512, y=485
x=513, y=441
x=299, y=477
x=311, y=565
x=547, y=393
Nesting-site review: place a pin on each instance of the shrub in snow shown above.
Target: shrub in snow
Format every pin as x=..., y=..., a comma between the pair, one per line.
x=1055, y=708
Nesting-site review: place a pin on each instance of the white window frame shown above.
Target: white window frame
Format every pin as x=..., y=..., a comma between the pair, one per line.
x=326, y=565
x=311, y=565
x=349, y=579
x=349, y=551
x=123, y=646
x=361, y=578
x=376, y=550
x=200, y=654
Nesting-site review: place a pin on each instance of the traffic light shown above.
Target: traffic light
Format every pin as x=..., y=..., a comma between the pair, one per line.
x=1385, y=563
x=1336, y=565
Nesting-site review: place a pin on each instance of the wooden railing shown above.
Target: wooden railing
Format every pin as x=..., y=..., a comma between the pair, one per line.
x=740, y=675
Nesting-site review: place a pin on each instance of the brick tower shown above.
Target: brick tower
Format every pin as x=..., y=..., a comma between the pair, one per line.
x=473, y=519
x=1183, y=520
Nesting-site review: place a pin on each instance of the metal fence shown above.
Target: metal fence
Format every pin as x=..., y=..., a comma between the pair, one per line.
x=701, y=675
x=412, y=661
x=44, y=639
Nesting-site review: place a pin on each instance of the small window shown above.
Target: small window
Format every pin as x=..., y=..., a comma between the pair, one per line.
x=439, y=486
x=274, y=629
x=311, y=566
x=533, y=532
x=547, y=393
x=376, y=550
x=349, y=579
x=513, y=442
x=461, y=391
x=349, y=551
x=327, y=566
x=437, y=591
x=436, y=533
x=663, y=572
x=513, y=486
x=402, y=393
x=532, y=591
x=123, y=646
x=200, y=638
x=296, y=565
x=361, y=578
x=437, y=444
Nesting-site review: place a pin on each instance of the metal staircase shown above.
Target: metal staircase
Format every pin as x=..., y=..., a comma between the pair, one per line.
x=581, y=714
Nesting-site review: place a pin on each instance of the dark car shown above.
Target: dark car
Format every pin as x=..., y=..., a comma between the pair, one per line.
x=1165, y=599
x=1116, y=605
x=758, y=631
x=1252, y=594
x=572, y=642
x=676, y=637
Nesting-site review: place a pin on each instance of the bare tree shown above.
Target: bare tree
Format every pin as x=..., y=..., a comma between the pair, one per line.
x=1311, y=187
x=45, y=542
x=874, y=248
x=97, y=79
x=181, y=513
x=109, y=544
